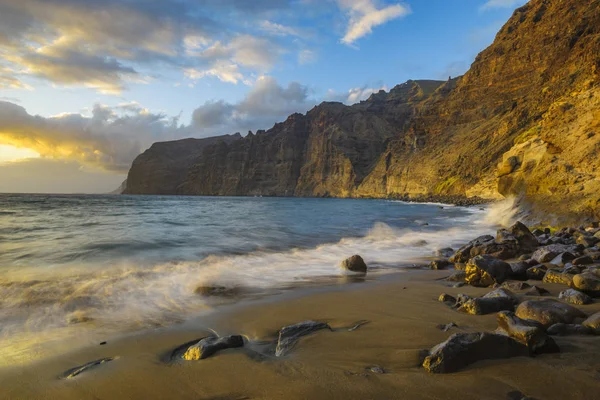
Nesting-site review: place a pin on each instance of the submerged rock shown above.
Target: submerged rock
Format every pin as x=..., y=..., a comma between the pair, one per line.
x=548, y=312
x=463, y=349
x=355, y=264
x=485, y=270
x=569, y=329
x=289, y=335
x=217, y=291
x=575, y=297
x=73, y=372
x=445, y=252
x=210, y=345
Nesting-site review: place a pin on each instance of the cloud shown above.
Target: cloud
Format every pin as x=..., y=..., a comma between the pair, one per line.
x=501, y=4
x=268, y=102
x=364, y=15
x=354, y=95
x=110, y=139
x=106, y=44
x=276, y=29
x=306, y=56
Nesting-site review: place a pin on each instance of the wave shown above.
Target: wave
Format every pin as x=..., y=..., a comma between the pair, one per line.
x=59, y=304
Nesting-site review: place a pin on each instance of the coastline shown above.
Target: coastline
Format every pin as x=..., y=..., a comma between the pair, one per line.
x=402, y=322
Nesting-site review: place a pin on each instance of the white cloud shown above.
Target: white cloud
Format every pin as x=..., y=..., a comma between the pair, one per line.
x=306, y=56
x=222, y=70
x=501, y=4
x=364, y=15
x=354, y=95
x=278, y=29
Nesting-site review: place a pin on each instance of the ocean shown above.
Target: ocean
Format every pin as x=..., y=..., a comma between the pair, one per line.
x=78, y=268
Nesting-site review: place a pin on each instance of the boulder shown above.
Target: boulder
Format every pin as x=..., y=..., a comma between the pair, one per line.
x=569, y=329
x=536, y=291
x=530, y=333
x=502, y=292
x=458, y=276
x=575, y=297
x=484, y=305
x=593, y=322
x=562, y=259
x=536, y=273
x=548, y=312
x=504, y=250
x=552, y=276
x=447, y=299
x=485, y=270
x=587, y=241
x=519, y=270
x=210, y=345
x=463, y=349
x=289, y=335
x=463, y=254
x=525, y=239
x=548, y=253
x=512, y=285
x=445, y=252
x=587, y=282
x=355, y=264
x=440, y=264
x=584, y=260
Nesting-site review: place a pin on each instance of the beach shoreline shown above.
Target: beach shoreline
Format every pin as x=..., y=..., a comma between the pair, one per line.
x=403, y=315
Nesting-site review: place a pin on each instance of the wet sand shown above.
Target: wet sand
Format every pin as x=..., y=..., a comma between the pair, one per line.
x=403, y=315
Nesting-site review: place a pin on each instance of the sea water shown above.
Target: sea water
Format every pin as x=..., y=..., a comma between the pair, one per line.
x=74, y=268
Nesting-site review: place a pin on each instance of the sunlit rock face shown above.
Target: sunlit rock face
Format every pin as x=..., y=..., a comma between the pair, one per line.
x=525, y=119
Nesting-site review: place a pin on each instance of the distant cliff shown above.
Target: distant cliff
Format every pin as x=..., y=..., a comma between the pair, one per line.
x=524, y=119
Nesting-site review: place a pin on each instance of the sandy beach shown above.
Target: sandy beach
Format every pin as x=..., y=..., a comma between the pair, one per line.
x=403, y=315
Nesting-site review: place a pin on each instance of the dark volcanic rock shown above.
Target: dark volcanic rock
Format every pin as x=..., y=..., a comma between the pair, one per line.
x=289, y=335
x=587, y=282
x=537, y=273
x=485, y=270
x=569, y=329
x=537, y=291
x=548, y=312
x=463, y=349
x=552, y=276
x=483, y=305
x=575, y=297
x=562, y=259
x=217, y=291
x=440, y=264
x=463, y=254
x=210, y=345
x=458, y=276
x=516, y=285
x=519, y=270
x=548, y=253
x=447, y=299
x=355, y=264
x=530, y=333
x=502, y=292
x=525, y=239
x=584, y=260
x=447, y=327
x=445, y=252
x=593, y=322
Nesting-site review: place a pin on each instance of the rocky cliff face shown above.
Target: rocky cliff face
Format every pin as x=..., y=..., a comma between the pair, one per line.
x=523, y=119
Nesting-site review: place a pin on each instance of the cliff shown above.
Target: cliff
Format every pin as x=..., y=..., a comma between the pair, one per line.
x=523, y=120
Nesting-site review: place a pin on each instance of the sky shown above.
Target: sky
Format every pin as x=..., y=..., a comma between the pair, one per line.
x=87, y=85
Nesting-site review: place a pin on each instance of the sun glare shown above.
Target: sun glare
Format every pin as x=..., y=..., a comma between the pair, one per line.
x=11, y=153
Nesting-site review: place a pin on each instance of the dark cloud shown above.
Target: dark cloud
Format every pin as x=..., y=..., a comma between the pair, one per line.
x=267, y=103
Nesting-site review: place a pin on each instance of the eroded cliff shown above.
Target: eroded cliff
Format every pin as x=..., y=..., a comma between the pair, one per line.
x=523, y=120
